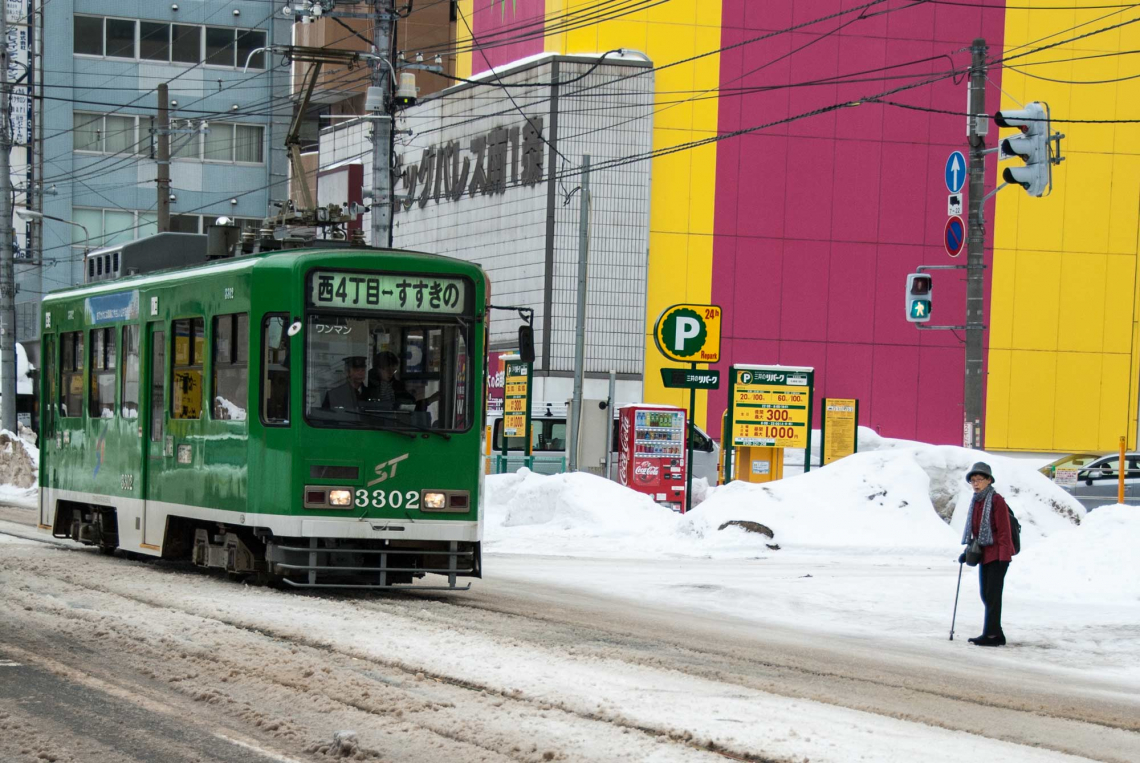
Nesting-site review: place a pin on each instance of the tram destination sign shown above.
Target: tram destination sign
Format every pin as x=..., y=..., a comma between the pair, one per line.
x=771, y=406
x=395, y=292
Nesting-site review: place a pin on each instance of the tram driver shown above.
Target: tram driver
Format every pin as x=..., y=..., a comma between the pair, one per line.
x=349, y=395
x=389, y=391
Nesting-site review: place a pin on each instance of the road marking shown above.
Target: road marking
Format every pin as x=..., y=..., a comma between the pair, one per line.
x=10, y=664
x=254, y=748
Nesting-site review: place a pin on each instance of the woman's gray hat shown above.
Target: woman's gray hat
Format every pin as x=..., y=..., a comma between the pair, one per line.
x=981, y=468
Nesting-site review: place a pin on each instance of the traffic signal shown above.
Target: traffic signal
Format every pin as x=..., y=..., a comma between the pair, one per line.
x=1031, y=146
x=918, y=297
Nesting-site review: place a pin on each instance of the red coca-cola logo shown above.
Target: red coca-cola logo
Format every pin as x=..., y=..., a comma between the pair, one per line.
x=646, y=471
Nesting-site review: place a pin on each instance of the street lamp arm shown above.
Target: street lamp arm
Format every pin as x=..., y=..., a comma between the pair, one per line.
x=31, y=214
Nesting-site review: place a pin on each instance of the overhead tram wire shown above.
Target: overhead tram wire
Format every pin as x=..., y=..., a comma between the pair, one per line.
x=749, y=41
x=1070, y=29
x=698, y=56
x=879, y=98
x=227, y=115
x=621, y=161
x=542, y=28
x=653, y=112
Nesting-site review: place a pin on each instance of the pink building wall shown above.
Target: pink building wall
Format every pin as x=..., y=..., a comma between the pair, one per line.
x=818, y=221
x=494, y=22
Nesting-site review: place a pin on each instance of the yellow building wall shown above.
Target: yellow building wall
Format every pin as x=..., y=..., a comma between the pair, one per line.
x=684, y=183
x=1063, y=318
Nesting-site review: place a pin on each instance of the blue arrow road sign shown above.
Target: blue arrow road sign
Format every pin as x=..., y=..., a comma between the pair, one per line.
x=955, y=172
x=955, y=236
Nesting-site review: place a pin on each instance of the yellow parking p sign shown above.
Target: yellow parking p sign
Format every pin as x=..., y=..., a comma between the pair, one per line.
x=689, y=333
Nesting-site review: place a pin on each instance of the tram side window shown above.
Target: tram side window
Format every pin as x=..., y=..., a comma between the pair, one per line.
x=130, y=395
x=71, y=373
x=102, y=403
x=157, y=382
x=231, y=366
x=189, y=352
x=275, y=365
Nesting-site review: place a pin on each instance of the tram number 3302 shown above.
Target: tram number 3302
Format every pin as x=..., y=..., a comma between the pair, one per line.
x=388, y=499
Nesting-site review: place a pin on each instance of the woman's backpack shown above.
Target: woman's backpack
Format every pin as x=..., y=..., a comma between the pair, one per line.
x=1015, y=532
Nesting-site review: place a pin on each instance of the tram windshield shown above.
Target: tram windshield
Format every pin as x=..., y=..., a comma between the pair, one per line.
x=385, y=373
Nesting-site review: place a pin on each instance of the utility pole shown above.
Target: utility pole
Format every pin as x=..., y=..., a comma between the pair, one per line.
x=7, y=263
x=163, y=136
x=580, y=325
x=382, y=126
x=973, y=401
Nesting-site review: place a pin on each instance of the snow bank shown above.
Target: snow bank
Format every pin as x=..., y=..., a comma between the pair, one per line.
x=878, y=500
x=899, y=497
x=19, y=468
x=1096, y=562
x=19, y=461
x=573, y=513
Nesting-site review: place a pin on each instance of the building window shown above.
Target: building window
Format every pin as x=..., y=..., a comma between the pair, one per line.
x=71, y=374
x=231, y=366
x=105, y=133
x=234, y=143
x=247, y=42
x=116, y=226
x=120, y=38
x=220, y=50
x=88, y=32
x=162, y=41
x=154, y=41
x=189, y=352
x=102, y=405
x=186, y=45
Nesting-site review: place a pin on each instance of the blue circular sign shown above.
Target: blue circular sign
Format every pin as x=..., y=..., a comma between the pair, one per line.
x=955, y=172
x=955, y=236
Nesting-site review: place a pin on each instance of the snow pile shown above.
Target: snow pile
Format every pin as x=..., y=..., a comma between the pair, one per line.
x=902, y=497
x=877, y=500
x=1096, y=562
x=19, y=461
x=573, y=512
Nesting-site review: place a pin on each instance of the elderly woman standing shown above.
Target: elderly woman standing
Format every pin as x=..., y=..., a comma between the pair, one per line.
x=988, y=524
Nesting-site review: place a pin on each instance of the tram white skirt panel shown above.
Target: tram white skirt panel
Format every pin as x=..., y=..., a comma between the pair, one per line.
x=142, y=524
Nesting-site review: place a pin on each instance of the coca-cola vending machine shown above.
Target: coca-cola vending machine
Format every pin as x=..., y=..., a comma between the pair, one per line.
x=651, y=452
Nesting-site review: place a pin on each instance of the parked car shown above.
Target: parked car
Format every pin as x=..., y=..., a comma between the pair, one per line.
x=1097, y=481
x=1072, y=461
x=548, y=438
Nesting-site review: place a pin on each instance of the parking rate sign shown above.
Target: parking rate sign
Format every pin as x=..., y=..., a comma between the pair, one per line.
x=516, y=398
x=771, y=406
x=689, y=333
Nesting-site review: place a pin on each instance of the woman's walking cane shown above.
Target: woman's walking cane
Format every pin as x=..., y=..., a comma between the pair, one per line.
x=955, y=618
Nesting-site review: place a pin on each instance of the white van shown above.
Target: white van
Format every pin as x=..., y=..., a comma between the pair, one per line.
x=548, y=438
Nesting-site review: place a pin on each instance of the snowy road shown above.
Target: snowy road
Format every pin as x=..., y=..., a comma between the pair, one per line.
x=518, y=669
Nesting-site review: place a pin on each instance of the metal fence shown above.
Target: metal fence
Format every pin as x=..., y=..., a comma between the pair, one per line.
x=500, y=464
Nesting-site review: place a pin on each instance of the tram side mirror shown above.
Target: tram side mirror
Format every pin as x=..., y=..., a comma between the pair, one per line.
x=526, y=344
x=294, y=329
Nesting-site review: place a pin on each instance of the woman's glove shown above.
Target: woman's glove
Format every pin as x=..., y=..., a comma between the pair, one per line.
x=962, y=558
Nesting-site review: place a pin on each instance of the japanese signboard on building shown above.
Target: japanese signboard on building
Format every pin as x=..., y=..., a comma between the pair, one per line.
x=483, y=165
x=840, y=427
x=770, y=405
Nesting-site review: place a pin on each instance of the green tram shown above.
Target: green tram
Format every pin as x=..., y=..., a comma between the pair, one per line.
x=311, y=416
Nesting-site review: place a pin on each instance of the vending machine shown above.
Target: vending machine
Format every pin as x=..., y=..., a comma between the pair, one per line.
x=651, y=452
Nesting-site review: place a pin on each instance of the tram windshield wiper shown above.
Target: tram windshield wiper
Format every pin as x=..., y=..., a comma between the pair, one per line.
x=397, y=427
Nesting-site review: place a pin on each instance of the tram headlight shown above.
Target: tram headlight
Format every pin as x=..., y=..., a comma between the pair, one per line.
x=434, y=500
x=340, y=497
